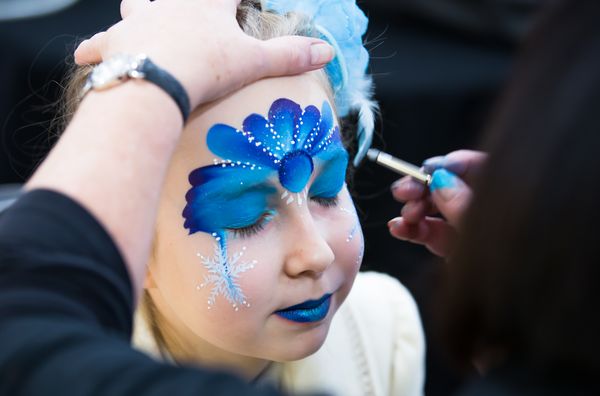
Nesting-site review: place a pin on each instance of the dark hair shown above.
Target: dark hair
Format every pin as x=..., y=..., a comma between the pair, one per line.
x=523, y=279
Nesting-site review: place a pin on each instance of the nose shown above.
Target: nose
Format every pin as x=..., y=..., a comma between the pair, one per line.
x=308, y=254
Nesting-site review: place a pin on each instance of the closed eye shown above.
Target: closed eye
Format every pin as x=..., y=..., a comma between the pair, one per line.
x=326, y=202
x=255, y=228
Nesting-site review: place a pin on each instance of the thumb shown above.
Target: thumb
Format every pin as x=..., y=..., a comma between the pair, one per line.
x=450, y=194
x=290, y=55
x=89, y=51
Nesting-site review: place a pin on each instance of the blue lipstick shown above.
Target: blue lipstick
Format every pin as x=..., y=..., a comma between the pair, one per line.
x=308, y=311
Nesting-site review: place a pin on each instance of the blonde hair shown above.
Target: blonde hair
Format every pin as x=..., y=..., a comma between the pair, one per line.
x=255, y=22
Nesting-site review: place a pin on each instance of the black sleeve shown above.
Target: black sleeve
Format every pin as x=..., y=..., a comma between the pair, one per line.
x=66, y=311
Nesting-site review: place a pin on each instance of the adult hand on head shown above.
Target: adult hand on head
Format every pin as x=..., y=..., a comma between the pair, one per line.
x=202, y=45
x=449, y=195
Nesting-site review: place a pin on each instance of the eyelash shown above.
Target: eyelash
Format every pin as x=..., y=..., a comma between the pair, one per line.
x=259, y=225
x=326, y=202
x=253, y=229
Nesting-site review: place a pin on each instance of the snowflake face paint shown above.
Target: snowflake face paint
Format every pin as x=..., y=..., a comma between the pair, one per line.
x=235, y=192
x=223, y=273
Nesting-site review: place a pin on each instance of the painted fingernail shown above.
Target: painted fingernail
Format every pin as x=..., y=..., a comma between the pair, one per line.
x=320, y=53
x=445, y=183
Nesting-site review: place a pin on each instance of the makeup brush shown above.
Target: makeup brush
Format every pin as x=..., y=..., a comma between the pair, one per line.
x=398, y=166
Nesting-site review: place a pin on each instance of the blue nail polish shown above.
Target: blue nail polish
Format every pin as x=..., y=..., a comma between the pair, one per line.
x=443, y=178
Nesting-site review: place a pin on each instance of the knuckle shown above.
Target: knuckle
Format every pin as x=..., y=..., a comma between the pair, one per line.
x=293, y=58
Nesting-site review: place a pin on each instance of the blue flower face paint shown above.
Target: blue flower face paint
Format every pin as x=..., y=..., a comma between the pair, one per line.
x=236, y=191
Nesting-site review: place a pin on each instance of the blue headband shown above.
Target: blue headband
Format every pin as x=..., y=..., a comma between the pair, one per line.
x=342, y=24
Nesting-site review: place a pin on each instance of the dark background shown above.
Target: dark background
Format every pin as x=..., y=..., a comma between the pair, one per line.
x=438, y=65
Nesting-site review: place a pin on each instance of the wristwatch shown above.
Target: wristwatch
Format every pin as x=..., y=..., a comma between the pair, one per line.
x=121, y=68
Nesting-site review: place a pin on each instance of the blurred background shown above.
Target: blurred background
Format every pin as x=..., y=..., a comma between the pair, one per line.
x=439, y=66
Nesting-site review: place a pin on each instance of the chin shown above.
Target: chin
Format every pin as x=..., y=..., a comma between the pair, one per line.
x=302, y=345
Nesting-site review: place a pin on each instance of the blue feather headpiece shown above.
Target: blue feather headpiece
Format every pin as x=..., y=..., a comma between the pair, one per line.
x=342, y=24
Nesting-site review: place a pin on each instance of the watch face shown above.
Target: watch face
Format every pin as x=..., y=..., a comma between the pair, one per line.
x=114, y=70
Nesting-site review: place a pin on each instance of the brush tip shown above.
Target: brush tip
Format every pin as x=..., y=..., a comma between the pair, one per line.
x=372, y=154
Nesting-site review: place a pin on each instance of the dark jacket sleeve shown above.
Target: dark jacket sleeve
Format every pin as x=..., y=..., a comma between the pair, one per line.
x=66, y=311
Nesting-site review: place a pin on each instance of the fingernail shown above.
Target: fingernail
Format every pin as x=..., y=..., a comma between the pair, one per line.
x=320, y=53
x=392, y=226
x=403, y=210
x=433, y=163
x=398, y=183
x=444, y=183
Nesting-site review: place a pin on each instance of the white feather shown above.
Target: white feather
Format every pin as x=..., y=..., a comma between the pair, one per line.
x=361, y=101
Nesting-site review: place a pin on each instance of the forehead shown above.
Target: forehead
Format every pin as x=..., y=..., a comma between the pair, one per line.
x=306, y=89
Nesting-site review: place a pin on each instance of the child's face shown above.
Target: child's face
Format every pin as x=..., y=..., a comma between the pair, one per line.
x=239, y=242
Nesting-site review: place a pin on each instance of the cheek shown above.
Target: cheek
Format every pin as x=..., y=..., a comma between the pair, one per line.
x=348, y=246
x=257, y=284
x=204, y=300
x=345, y=235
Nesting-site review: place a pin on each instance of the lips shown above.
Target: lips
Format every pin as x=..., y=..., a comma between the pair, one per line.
x=308, y=311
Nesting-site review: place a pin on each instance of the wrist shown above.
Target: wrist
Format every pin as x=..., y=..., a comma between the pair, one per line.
x=138, y=104
x=123, y=67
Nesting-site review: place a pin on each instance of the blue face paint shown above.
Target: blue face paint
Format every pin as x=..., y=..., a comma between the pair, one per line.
x=224, y=196
x=287, y=142
x=236, y=192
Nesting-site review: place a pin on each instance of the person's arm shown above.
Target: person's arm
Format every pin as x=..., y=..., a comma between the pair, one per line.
x=66, y=308
x=66, y=299
x=113, y=156
x=449, y=195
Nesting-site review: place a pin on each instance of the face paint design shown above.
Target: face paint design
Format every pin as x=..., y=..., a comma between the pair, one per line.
x=356, y=225
x=223, y=274
x=361, y=255
x=234, y=192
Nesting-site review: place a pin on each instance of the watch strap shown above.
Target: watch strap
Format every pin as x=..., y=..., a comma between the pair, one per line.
x=167, y=83
x=121, y=68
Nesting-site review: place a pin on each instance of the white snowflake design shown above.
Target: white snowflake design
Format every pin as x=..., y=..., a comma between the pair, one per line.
x=223, y=275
